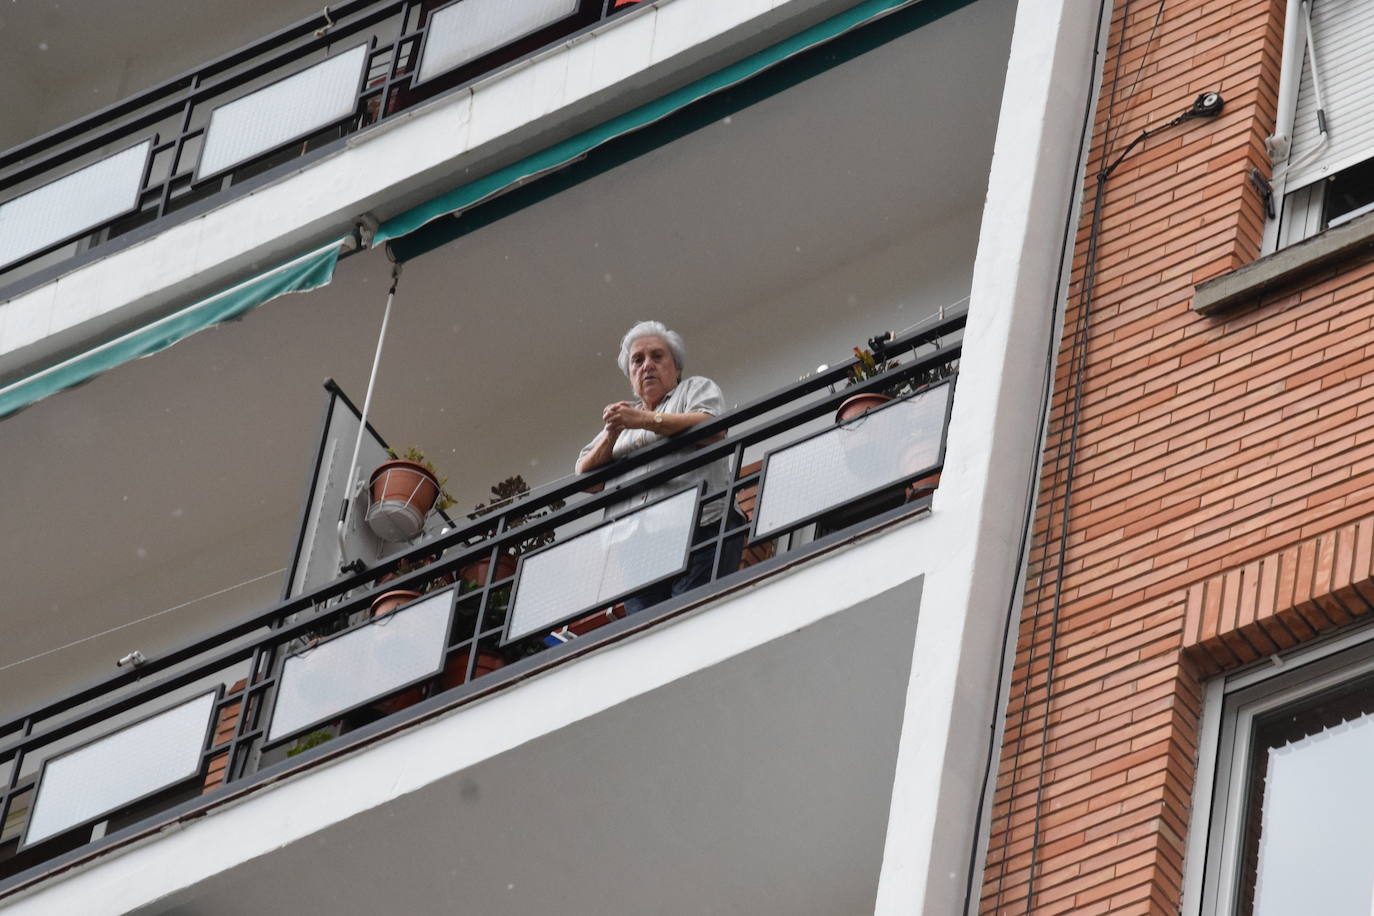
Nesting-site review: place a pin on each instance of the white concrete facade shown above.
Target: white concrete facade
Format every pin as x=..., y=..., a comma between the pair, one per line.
x=994, y=448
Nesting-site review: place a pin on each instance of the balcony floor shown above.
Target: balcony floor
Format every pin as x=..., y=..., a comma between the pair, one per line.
x=758, y=785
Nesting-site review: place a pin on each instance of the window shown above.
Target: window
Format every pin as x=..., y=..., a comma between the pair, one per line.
x=1285, y=824
x=1323, y=143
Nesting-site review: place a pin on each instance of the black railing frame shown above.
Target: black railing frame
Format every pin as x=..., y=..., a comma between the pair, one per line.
x=181, y=94
x=536, y=500
x=438, y=704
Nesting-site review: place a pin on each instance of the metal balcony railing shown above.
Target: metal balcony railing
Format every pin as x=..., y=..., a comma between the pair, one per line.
x=533, y=584
x=120, y=174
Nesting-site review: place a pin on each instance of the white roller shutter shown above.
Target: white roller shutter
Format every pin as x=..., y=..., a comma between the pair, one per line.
x=1343, y=33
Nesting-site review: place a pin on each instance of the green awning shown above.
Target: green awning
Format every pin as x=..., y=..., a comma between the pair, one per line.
x=301, y=274
x=904, y=15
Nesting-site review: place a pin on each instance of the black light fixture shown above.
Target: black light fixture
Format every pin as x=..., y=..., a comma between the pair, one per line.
x=1207, y=105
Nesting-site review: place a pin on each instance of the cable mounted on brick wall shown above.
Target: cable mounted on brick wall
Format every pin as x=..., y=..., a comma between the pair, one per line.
x=1206, y=105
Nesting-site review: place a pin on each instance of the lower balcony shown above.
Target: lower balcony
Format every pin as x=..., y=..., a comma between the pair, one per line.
x=518, y=591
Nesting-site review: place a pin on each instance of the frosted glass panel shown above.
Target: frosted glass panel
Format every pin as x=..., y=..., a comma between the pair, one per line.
x=120, y=768
x=68, y=206
x=878, y=448
x=365, y=664
x=603, y=564
x=291, y=108
x=470, y=28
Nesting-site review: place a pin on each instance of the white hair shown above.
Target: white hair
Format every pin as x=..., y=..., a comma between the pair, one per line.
x=651, y=329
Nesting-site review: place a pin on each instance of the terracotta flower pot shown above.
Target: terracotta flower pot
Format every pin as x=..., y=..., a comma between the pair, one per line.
x=456, y=668
x=387, y=602
x=477, y=572
x=860, y=403
x=403, y=493
x=923, y=487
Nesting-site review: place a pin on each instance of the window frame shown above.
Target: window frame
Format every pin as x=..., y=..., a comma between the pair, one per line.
x=1298, y=215
x=1231, y=705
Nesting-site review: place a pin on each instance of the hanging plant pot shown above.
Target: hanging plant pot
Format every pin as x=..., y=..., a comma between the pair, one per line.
x=860, y=403
x=403, y=493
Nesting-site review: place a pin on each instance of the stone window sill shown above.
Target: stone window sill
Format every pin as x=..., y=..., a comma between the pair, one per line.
x=1283, y=268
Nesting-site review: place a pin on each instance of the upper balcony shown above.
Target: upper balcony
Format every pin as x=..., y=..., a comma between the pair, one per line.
x=330, y=125
x=236, y=120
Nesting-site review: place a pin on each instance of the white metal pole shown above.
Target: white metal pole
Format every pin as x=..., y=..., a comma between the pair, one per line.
x=349, y=486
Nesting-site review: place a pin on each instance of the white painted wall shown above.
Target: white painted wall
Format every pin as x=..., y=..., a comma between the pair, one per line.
x=994, y=445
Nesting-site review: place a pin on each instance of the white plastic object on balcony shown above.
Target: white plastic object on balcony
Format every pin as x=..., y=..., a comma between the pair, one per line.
x=855, y=459
x=122, y=767
x=72, y=204
x=465, y=30
x=365, y=664
x=289, y=109
x=599, y=566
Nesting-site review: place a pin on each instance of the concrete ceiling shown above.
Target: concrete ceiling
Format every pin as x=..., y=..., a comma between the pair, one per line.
x=759, y=785
x=775, y=239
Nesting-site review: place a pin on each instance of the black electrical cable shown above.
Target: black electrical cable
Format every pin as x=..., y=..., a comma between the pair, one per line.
x=1205, y=105
x=1032, y=489
x=1035, y=620
x=1144, y=58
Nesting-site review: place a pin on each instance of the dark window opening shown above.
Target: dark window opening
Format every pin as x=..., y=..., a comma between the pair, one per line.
x=1349, y=193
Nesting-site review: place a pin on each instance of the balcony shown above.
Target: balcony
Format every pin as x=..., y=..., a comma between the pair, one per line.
x=288, y=99
x=344, y=664
x=184, y=469
x=775, y=225
x=255, y=117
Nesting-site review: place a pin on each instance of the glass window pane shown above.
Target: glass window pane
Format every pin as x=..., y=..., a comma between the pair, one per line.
x=601, y=565
x=120, y=768
x=860, y=456
x=466, y=30
x=364, y=664
x=1307, y=846
x=283, y=111
x=70, y=205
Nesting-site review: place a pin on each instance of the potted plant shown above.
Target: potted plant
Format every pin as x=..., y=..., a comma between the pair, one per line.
x=404, y=491
x=314, y=739
x=389, y=601
x=869, y=366
x=862, y=453
x=866, y=368
x=508, y=491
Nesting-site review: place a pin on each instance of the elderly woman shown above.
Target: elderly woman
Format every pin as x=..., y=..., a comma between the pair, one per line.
x=652, y=356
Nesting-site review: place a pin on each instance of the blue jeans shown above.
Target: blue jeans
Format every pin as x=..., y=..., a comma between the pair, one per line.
x=698, y=564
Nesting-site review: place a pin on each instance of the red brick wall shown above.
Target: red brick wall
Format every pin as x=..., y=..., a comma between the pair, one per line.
x=1222, y=503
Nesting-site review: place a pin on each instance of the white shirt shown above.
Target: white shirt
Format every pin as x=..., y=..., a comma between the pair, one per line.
x=692, y=395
